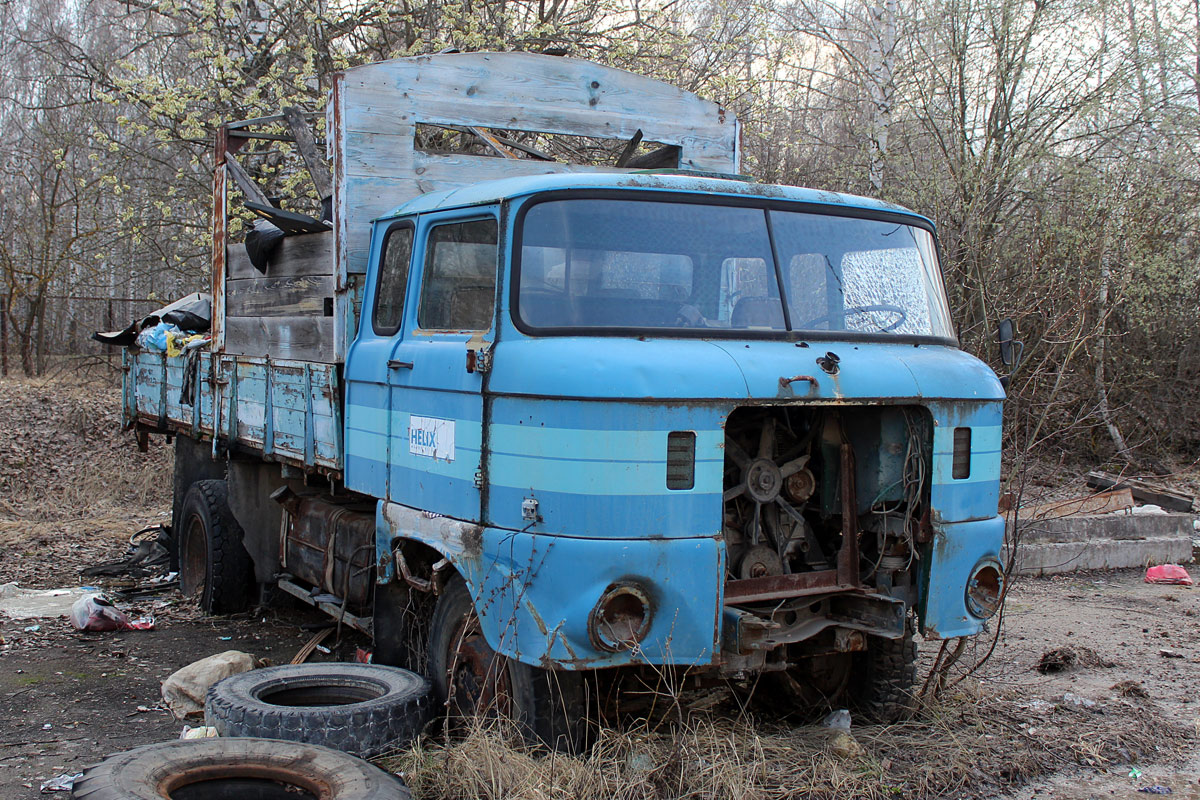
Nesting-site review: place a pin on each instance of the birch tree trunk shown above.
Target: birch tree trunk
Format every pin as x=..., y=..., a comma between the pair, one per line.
x=1103, y=309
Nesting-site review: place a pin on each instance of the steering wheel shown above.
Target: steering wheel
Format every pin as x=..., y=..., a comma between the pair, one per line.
x=900, y=313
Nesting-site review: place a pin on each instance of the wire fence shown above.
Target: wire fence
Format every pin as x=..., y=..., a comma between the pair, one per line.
x=32, y=339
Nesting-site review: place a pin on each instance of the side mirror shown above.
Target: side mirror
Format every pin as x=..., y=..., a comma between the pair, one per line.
x=1010, y=349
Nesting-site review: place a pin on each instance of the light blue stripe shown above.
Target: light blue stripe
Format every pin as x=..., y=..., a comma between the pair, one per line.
x=626, y=478
x=366, y=444
x=984, y=439
x=597, y=445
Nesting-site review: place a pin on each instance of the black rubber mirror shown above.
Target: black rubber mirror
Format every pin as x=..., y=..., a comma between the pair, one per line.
x=1009, y=352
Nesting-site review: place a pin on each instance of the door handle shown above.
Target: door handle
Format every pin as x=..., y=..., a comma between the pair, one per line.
x=394, y=364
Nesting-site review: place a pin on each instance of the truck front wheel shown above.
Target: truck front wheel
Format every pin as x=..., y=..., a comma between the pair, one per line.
x=214, y=566
x=884, y=677
x=475, y=682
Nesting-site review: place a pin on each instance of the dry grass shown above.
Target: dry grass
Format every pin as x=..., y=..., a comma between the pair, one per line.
x=967, y=744
x=73, y=485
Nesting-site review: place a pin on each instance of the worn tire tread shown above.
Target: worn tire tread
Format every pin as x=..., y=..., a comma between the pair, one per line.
x=363, y=729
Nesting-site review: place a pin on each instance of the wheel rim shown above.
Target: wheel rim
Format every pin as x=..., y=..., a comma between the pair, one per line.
x=477, y=680
x=193, y=559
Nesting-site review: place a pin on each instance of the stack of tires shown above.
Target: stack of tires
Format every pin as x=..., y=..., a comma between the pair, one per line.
x=286, y=733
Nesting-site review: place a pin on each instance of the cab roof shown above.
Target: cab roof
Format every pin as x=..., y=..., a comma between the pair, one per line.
x=489, y=192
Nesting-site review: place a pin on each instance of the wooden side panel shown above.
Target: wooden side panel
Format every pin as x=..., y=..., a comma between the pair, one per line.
x=296, y=338
x=278, y=297
x=283, y=313
x=310, y=254
x=375, y=108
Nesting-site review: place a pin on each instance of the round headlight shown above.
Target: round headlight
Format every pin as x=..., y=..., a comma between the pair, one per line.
x=985, y=588
x=621, y=619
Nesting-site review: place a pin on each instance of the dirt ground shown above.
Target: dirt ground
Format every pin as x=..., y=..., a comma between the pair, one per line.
x=1123, y=715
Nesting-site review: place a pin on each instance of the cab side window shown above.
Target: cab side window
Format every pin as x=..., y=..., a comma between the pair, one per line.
x=458, y=291
x=393, y=280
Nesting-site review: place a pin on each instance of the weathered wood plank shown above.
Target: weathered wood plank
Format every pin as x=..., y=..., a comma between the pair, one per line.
x=244, y=182
x=310, y=254
x=296, y=338
x=298, y=123
x=527, y=91
x=278, y=297
x=1144, y=491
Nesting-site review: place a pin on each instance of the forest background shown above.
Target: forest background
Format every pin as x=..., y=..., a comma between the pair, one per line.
x=1054, y=142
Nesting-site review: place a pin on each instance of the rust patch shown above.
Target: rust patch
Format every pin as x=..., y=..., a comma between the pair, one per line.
x=472, y=542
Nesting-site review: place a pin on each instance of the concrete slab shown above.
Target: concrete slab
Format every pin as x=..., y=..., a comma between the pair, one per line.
x=1109, y=541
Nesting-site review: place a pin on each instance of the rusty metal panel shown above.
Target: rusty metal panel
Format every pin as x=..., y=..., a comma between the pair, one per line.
x=331, y=547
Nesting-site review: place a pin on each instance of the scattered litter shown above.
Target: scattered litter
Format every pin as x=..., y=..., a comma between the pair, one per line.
x=363, y=656
x=1169, y=573
x=63, y=783
x=1130, y=689
x=1155, y=789
x=1135, y=773
x=144, y=709
x=323, y=649
x=1167, y=653
x=198, y=732
x=637, y=764
x=47, y=726
x=838, y=720
x=185, y=689
x=33, y=629
x=1075, y=701
x=225, y=638
x=1038, y=706
x=95, y=612
x=1063, y=659
x=21, y=603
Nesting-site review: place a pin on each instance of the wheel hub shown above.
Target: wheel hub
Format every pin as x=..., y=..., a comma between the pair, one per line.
x=193, y=566
x=478, y=680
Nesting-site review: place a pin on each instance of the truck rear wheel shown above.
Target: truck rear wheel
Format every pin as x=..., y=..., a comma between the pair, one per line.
x=214, y=566
x=474, y=681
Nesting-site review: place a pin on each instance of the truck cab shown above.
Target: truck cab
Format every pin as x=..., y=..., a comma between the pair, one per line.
x=676, y=419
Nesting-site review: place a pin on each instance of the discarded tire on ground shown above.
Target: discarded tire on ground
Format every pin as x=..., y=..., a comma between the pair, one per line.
x=236, y=769
x=364, y=709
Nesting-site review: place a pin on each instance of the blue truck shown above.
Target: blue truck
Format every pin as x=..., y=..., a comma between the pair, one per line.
x=532, y=422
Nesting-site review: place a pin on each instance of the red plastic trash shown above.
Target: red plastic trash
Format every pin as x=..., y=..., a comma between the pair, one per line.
x=1169, y=573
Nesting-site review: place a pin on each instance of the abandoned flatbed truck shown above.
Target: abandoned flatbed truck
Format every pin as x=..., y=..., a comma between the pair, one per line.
x=525, y=420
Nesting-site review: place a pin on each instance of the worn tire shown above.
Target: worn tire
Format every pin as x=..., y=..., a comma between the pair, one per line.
x=213, y=563
x=546, y=705
x=249, y=768
x=363, y=709
x=885, y=676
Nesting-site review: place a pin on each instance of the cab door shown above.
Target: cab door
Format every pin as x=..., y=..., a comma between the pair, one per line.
x=435, y=448
x=367, y=374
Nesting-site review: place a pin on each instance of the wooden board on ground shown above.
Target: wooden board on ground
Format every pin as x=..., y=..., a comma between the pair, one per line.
x=1102, y=503
x=1143, y=491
